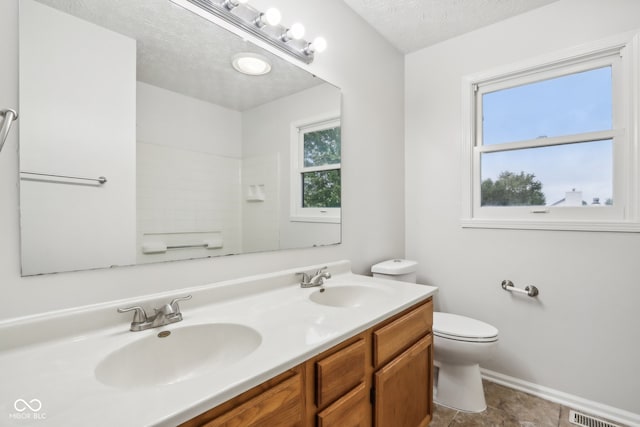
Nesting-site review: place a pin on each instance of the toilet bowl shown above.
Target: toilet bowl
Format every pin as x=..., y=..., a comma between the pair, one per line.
x=460, y=345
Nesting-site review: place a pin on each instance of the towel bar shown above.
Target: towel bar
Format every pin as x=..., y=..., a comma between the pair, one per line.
x=530, y=290
x=9, y=117
x=100, y=179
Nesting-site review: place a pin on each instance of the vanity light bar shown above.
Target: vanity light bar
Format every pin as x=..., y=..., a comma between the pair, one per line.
x=242, y=15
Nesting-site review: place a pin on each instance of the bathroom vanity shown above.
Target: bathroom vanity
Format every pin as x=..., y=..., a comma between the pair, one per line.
x=380, y=377
x=255, y=351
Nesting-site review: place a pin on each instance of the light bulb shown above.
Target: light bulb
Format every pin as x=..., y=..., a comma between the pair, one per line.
x=296, y=31
x=232, y=4
x=319, y=44
x=272, y=16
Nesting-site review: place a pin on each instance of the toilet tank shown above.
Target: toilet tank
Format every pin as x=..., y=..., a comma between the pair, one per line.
x=402, y=270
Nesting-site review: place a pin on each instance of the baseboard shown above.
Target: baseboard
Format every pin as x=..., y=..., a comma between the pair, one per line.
x=574, y=402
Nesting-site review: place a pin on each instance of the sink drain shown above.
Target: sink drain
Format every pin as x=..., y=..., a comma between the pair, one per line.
x=164, y=334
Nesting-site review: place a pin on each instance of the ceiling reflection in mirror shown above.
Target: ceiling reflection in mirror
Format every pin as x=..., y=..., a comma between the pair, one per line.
x=199, y=159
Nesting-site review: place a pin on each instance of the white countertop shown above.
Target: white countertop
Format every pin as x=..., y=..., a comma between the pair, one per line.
x=52, y=358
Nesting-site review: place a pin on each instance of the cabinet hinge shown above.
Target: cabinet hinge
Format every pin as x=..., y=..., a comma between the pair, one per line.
x=372, y=395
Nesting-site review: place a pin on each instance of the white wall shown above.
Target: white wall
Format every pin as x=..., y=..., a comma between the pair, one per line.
x=260, y=194
x=186, y=198
x=357, y=60
x=174, y=120
x=100, y=134
x=581, y=334
x=267, y=130
x=188, y=174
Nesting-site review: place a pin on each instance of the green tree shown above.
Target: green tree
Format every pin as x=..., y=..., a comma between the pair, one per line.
x=322, y=147
x=511, y=189
x=321, y=189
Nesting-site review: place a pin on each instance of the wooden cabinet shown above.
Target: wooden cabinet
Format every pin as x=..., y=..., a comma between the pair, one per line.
x=396, y=336
x=339, y=373
x=403, y=390
x=339, y=385
x=276, y=403
x=381, y=377
x=352, y=410
x=403, y=386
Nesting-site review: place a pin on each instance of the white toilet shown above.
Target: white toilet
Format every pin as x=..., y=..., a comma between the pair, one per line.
x=460, y=345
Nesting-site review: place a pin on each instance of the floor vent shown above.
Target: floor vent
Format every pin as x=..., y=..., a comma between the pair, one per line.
x=588, y=421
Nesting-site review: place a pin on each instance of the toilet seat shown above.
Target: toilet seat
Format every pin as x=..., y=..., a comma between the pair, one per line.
x=461, y=328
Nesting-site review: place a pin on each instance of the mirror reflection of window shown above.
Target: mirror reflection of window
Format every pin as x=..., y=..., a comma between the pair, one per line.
x=321, y=171
x=317, y=150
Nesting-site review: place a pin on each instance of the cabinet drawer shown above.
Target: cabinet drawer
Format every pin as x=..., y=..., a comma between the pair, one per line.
x=350, y=410
x=278, y=406
x=395, y=337
x=339, y=373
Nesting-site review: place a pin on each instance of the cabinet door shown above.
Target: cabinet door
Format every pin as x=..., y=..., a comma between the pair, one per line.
x=280, y=406
x=404, y=388
x=348, y=411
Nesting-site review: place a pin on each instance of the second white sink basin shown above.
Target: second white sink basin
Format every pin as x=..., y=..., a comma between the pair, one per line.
x=348, y=296
x=166, y=356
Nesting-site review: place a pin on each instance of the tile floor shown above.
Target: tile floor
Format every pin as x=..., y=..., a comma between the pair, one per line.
x=506, y=407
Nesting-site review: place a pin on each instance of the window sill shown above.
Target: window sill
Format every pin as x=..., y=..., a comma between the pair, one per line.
x=328, y=220
x=609, y=226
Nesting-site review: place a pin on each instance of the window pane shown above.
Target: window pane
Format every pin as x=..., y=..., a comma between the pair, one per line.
x=566, y=105
x=563, y=175
x=321, y=189
x=322, y=147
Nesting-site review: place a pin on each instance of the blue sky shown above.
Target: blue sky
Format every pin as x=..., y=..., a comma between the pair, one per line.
x=571, y=104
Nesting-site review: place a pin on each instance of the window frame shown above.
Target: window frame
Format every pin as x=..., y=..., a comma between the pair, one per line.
x=298, y=130
x=621, y=52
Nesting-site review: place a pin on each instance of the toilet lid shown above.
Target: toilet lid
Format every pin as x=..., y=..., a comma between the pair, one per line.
x=453, y=326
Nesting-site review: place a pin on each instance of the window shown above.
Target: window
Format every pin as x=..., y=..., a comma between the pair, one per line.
x=548, y=144
x=315, y=154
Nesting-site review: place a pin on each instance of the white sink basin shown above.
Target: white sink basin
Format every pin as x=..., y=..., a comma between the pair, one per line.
x=181, y=354
x=348, y=296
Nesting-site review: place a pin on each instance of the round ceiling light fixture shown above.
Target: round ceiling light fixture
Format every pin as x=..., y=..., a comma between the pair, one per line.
x=252, y=64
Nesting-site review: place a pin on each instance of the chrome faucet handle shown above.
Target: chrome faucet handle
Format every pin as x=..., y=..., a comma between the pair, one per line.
x=174, y=303
x=323, y=272
x=306, y=278
x=140, y=316
x=166, y=310
x=316, y=279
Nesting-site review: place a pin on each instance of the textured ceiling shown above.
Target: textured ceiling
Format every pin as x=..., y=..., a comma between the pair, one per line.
x=182, y=52
x=414, y=24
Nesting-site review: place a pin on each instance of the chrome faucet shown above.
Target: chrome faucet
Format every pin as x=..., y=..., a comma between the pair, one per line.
x=168, y=313
x=317, y=279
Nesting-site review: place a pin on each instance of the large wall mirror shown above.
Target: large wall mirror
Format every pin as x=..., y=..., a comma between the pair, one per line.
x=139, y=142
